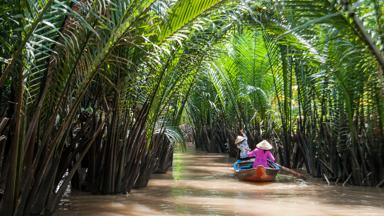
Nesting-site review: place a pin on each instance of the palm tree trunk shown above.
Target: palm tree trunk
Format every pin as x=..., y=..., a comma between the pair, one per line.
x=13, y=180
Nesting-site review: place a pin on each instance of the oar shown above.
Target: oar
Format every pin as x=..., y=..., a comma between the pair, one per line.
x=296, y=174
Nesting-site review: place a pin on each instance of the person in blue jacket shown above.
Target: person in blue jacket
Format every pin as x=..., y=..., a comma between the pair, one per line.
x=241, y=143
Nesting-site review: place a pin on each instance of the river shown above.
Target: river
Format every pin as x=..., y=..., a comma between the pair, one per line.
x=203, y=184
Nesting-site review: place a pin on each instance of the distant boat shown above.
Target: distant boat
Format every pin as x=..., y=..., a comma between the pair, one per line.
x=245, y=172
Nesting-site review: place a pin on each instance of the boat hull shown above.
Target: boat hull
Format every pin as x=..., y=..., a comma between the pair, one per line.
x=257, y=174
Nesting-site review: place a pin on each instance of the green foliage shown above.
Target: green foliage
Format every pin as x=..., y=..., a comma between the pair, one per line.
x=98, y=76
x=309, y=82
x=103, y=83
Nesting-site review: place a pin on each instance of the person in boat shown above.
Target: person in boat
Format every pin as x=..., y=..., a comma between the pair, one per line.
x=241, y=143
x=262, y=154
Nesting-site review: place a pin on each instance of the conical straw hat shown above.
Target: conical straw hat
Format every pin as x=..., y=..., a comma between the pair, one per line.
x=239, y=139
x=265, y=145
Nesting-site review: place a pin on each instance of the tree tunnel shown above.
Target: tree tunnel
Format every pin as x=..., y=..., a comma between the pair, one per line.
x=92, y=93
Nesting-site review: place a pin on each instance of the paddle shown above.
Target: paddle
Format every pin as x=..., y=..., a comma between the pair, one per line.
x=296, y=174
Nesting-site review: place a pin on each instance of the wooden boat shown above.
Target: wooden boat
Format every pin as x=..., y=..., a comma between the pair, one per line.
x=260, y=173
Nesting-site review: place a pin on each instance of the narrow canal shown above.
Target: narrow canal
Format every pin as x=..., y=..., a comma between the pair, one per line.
x=203, y=184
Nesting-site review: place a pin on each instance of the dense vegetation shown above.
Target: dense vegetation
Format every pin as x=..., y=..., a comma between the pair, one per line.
x=91, y=92
x=306, y=75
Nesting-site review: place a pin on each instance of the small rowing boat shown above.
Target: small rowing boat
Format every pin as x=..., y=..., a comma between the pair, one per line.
x=245, y=172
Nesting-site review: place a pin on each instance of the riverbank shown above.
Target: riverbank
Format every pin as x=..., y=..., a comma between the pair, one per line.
x=193, y=188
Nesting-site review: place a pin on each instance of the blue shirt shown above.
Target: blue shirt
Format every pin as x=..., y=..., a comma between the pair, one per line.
x=244, y=147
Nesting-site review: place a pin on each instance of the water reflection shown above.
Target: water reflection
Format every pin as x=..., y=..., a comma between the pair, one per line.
x=203, y=184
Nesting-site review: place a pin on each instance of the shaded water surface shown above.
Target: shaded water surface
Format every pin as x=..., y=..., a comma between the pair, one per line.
x=194, y=188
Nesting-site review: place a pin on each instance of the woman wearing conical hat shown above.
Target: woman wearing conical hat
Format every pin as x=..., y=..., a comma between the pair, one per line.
x=242, y=144
x=262, y=154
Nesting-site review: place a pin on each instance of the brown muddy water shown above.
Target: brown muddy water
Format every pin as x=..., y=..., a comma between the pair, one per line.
x=203, y=184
